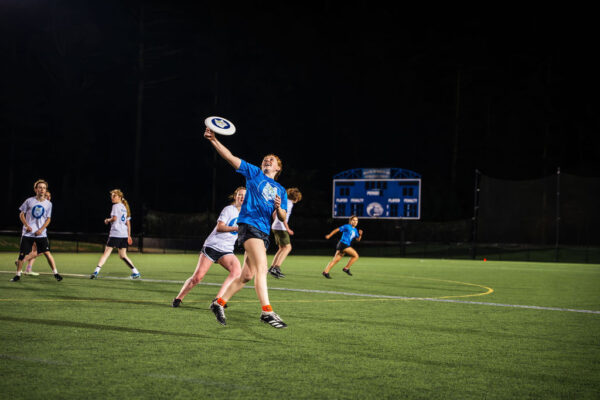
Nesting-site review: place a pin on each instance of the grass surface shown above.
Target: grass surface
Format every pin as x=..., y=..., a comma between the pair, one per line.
x=116, y=338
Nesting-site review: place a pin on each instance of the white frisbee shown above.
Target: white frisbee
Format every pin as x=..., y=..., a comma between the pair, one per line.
x=220, y=125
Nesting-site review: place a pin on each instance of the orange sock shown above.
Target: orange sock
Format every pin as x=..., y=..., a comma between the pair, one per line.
x=267, y=308
x=221, y=302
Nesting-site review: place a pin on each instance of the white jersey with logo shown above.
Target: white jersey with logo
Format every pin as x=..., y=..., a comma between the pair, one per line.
x=277, y=224
x=224, y=241
x=36, y=214
x=118, y=228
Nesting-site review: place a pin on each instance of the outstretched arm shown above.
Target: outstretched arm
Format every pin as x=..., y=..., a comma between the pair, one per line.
x=333, y=232
x=223, y=151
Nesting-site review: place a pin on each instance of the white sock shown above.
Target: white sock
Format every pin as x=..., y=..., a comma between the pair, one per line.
x=135, y=271
x=97, y=270
x=54, y=271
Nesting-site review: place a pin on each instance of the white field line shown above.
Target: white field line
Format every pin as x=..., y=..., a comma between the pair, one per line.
x=373, y=296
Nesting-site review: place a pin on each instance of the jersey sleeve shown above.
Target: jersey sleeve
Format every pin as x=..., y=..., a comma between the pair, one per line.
x=248, y=170
x=114, y=211
x=224, y=216
x=23, y=207
x=49, y=212
x=344, y=228
x=284, y=199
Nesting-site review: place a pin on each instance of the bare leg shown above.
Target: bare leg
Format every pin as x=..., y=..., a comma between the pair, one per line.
x=353, y=256
x=281, y=254
x=245, y=277
x=51, y=261
x=336, y=258
x=257, y=257
x=231, y=264
x=105, y=255
x=202, y=267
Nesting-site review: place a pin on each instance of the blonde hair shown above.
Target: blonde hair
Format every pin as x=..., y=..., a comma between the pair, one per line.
x=38, y=182
x=279, y=163
x=234, y=194
x=119, y=193
x=294, y=194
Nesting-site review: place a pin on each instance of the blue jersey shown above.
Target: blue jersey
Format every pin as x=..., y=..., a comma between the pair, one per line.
x=348, y=234
x=259, y=202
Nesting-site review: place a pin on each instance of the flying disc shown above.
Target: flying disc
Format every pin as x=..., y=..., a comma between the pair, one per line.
x=220, y=125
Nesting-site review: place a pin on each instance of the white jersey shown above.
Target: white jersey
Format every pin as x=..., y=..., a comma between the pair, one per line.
x=118, y=228
x=277, y=224
x=36, y=214
x=224, y=241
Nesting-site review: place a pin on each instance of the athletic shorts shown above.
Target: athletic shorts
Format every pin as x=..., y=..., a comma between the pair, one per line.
x=214, y=255
x=341, y=246
x=246, y=232
x=282, y=238
x=42, y=244
x=119, y=243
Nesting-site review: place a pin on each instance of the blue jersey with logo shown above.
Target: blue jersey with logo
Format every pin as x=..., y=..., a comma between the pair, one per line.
x=259, y=202
x=348, y=234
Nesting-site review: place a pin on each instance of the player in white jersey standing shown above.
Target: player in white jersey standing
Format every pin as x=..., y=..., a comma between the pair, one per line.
x=218, y=248
x=120, y=233
x=36, y=213
x=282, y=232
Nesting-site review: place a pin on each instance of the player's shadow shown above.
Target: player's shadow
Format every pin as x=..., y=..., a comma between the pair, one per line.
x=103, y=327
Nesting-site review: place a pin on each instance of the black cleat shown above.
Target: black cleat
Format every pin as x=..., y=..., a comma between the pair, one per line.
x=58, y=277
x=281, y=275
x=16, y=278
x=326, y=275
x=94, y=275
x=273, y=320
x=219, y=312
x=347, y=271
x=215, y=300
x=176, y=302
x=273, y=271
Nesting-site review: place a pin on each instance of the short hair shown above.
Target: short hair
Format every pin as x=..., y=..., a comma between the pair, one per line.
x=294, y=194
x=38, y=182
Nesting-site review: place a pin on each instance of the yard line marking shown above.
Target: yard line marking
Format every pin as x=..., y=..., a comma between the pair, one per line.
x=371, y=296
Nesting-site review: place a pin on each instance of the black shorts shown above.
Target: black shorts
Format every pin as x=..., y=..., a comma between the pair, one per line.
x=341, y=246
x=246, y=232
x=214, y=255
x=42, y=244
x=119, y=243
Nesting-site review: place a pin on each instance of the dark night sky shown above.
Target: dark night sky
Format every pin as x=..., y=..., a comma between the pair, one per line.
x=327, y=87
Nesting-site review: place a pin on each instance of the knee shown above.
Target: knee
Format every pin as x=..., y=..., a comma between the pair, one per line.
x=244, y=279
x=356, y=257
x=288, y=248
x=194, y=280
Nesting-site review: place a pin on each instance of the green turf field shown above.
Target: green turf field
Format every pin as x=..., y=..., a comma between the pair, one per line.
x=398, y=328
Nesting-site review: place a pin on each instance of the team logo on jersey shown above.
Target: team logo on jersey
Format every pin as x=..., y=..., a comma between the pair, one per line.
x=37, y=211
x=233, y=222
x=268, y=192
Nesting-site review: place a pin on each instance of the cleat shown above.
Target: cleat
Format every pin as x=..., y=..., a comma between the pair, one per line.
x=219, y=312
x=16, y=278
x=347, y=271
x=31, y=273
x=215, y=300
x=94, y=275
x=176, y=302
x=135, y=276
x=326, y=275
x=281, y=275
x=273, y=320
x=58, y=277
x=273, y=271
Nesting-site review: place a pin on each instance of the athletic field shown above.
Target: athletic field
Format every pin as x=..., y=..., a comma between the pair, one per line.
x=398, y=328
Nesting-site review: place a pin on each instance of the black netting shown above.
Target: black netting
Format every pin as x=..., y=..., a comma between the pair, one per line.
x=526, y=211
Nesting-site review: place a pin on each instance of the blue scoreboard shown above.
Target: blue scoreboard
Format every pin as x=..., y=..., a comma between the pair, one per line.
x=377, y=193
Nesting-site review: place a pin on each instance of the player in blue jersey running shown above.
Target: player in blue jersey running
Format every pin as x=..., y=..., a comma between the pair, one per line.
x=344, y=246
x=265, y=199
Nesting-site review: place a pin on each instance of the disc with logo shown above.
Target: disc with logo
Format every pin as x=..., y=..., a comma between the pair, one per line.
x=220, y=125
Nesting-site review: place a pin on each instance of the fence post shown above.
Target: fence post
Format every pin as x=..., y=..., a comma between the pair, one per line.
x=475, y=218
x=557, y=241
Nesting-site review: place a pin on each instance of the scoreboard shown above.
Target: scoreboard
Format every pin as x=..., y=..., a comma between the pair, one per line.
x=377, y=193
